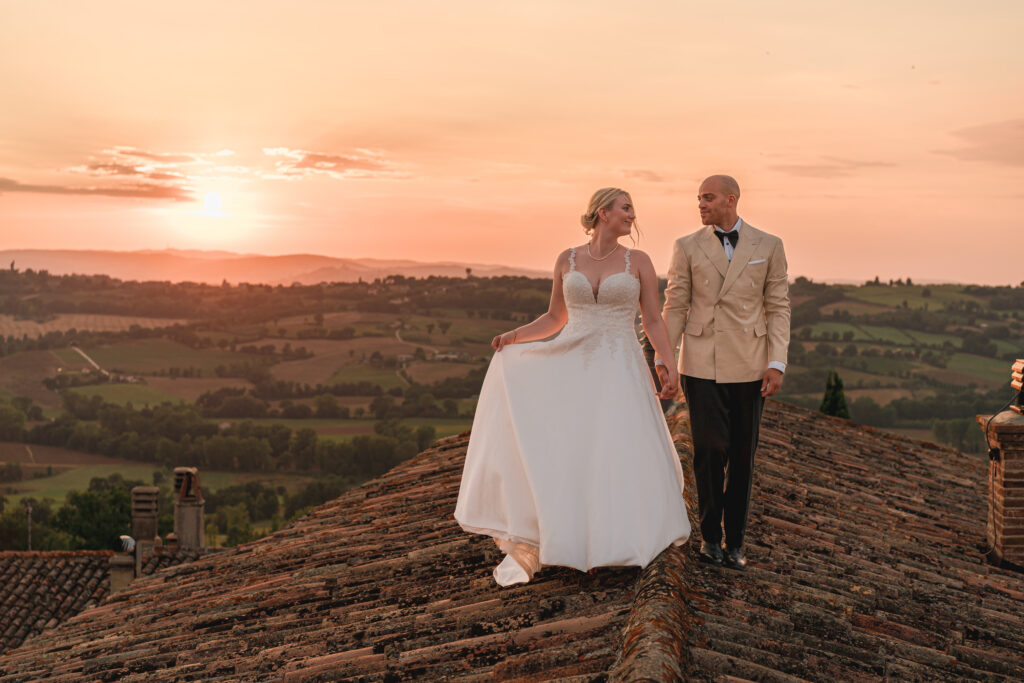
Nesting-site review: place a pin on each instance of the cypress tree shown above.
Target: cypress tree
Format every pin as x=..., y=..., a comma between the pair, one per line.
x=834, y=400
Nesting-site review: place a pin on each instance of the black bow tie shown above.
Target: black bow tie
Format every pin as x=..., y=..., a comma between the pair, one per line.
x=733, y=237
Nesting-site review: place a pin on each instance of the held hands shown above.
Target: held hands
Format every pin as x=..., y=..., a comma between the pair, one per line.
x=771, y=383
x=503, y=340
x=669, y=380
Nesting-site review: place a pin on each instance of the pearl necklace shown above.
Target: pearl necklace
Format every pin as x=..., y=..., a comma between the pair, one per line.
x=603, y=257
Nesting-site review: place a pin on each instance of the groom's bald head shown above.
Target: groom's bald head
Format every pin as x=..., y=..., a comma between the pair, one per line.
x=725, y=184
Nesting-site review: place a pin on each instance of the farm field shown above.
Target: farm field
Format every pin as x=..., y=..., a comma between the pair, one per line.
x=889, y=334
x=881, y=395
x=60, y=484
x=57, y=487
x=332, y=356
x=932, y=339
x=839, y=328
x=191, y=388
x=345, y=429
x=364, y=372
x=139, y=395
x=9, y=326
x=22, y=373
x=941, y=295
x=428, y=372
x=35, y=454
x=852, y=307
x=71, y=359
x=991, y=370
x=152, y=355
x=1005, y=347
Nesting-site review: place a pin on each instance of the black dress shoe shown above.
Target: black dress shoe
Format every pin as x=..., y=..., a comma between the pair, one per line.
x=735, y=558
x=711, y=553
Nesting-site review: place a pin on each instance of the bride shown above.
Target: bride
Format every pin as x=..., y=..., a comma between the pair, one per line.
x=570, y=461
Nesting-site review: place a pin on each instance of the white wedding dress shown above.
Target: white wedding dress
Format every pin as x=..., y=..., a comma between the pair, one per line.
x=570, y=461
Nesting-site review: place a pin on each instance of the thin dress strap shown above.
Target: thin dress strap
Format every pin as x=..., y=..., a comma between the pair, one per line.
x=627, y=258
x=572, y=259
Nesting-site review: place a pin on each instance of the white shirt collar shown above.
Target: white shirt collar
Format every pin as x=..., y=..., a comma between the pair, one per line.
x=735, y=227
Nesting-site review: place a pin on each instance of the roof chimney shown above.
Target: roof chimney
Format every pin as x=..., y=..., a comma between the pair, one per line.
x=144, y=509
x=188, y=508
x=1005, y=435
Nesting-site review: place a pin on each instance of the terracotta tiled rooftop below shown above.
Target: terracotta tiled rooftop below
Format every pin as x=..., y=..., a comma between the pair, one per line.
x=40, y=589
x=867, y=563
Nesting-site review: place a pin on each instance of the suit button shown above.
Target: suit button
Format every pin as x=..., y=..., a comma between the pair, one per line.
x=718, y=305
x=706, y=281
x=744, y=307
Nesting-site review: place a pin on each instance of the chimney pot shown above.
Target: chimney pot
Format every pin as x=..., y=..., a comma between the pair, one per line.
x=144, y=512
x=188, y=508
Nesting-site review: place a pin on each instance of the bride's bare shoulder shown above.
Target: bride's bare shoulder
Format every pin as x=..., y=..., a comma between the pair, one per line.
x=562, y=262
x=639, y=257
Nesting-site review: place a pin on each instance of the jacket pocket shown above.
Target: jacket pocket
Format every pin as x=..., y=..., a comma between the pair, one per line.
x=760, y=329
x=694, y=329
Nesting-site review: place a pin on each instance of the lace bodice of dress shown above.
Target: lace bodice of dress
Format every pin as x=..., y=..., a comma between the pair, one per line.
x=612, y=310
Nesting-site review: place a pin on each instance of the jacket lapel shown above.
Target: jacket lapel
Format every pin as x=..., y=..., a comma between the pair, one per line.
x=712, y=247
x=750, y=237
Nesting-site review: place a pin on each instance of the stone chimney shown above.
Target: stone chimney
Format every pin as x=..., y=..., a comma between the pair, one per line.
x=144, y=510
x=188, y=508
x=1005, y=529
x=122, y=571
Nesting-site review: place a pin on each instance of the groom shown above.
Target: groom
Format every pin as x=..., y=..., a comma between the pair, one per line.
x=728, y=301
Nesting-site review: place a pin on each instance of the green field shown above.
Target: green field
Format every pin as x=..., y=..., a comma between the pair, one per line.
x=941, y=295
x=343, y=430
x=990, y=370
x=875, y=333
x=71, y=359
x=472, y=330
x=1005, y=348
x=139, y=395
x=429, y=372
x=360, y=372
x=152, y=355
x=932, y=339
x=857, y=378
x=57, y=486
x=77, y=479
x=889, y=334
x=830, y=328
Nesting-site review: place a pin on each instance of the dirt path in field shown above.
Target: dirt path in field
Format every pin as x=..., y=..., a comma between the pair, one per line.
x=398, y=336
x=90, y=360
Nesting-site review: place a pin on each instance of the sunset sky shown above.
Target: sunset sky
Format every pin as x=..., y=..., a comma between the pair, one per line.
x=876, y=138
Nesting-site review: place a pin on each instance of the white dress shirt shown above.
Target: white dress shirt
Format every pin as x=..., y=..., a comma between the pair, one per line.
x=777, y=365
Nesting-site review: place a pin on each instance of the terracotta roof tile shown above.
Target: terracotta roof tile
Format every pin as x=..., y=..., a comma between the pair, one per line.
x=866, y=563
x=40, y=589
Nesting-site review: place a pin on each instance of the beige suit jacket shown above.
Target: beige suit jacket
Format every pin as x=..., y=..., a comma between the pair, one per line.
x=728, y=318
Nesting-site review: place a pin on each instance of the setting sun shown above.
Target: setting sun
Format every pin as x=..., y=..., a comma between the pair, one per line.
x=212, y=205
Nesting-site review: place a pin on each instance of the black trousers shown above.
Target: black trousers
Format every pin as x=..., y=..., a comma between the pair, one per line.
x=724, y=422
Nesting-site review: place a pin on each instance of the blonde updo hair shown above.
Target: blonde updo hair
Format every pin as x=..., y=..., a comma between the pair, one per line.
x=602, y=199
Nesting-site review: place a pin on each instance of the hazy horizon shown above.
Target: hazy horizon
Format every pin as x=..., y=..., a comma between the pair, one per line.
x=443, y=265
x=875, y=139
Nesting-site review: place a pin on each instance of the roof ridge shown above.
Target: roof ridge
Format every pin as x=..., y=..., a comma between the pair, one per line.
x=56, y=553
